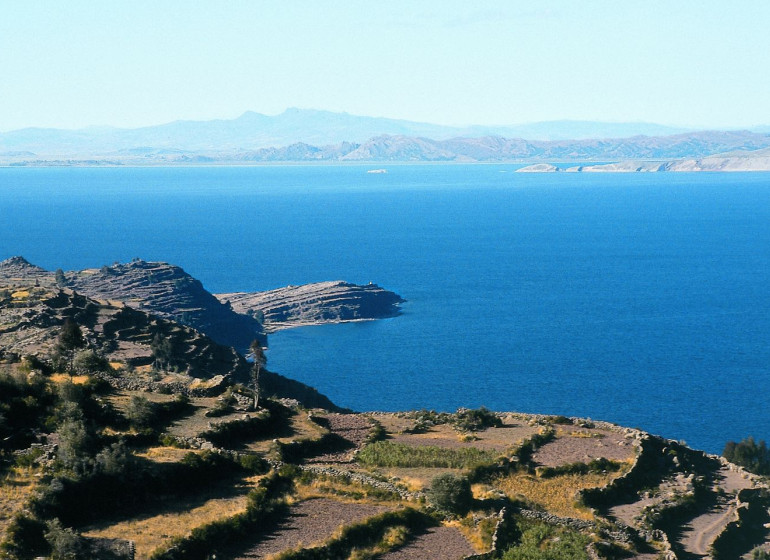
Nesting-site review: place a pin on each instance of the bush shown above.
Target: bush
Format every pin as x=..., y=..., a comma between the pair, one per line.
x=141, y=413
x=88, y=361
x=540, y=541
x=468, y=420
x=452, y=493
x=595, y=466
x=65, y=543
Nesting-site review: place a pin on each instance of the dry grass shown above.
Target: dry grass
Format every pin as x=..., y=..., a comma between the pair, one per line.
x=152, y=532
x=65, y=378
x=15, y=489
x=557, y=495
x=163, y=454
x=478, y=532
x=21, y=294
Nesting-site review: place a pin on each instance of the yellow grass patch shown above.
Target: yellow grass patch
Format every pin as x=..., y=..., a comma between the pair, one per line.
x=21, y=294
x=557, y=495
x=15, y=489
x=117, y=365
x=164, y=454
x=64, y=378
x=152, y=532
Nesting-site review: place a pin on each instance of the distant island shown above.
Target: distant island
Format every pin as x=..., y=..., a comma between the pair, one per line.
x=131, y=430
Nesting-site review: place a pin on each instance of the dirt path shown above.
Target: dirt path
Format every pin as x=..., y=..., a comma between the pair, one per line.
x=439, y=543
x=308, y=524
x=700, y=532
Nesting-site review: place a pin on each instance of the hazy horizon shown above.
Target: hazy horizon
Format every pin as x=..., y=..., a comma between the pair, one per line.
x=694, y=66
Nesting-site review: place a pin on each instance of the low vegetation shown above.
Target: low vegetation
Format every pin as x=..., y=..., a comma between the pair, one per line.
x=540, y=541
x=390, y=454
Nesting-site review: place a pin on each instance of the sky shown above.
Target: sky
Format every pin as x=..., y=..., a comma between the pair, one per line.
x=74, y=64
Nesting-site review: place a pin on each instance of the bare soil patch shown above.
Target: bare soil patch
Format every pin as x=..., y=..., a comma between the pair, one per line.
x=309, y=524
x=500, y=439
x=351, y=428
x=438, y=543
x=582, y=446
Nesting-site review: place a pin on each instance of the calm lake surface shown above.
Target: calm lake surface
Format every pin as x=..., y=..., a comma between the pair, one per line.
x=642, y=299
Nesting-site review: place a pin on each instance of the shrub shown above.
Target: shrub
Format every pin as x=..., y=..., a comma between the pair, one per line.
x=540, y=541
x=452, y=493
x=141, y=413
x=595, y=466
x=88, y=361
x=469, y=420
x=65, y=543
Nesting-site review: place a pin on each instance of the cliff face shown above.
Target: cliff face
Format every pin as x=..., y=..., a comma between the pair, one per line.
x=312, y=304
x=169, y=292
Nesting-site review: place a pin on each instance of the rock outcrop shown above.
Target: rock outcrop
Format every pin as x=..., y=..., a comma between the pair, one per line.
x=169, y=292
x=312, y=304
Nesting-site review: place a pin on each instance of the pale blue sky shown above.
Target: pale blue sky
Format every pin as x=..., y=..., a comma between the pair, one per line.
x=79, y=63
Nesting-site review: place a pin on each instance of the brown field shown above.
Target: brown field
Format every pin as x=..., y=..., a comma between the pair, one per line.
x=582, y=446
x=437, y=543
x=501, y=439
x=310, y=523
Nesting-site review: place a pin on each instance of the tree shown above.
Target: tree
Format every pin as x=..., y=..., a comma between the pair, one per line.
x=258, y=354
x=59, y=277
x=70, y=339
x=162, y=351
x=753, y=456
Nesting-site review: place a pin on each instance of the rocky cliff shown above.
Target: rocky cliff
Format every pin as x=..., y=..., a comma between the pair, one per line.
x=169, y=292
x=312, y=304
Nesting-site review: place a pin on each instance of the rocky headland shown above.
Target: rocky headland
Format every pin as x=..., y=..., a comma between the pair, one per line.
x=313, y=304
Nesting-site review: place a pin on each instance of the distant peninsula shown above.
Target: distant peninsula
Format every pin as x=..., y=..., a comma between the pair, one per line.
x=756, y=160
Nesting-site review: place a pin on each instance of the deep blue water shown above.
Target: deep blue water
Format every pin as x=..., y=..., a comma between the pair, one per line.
x=642, y=299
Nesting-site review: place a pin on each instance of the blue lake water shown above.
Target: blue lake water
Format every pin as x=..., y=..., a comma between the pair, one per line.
x=642, y=299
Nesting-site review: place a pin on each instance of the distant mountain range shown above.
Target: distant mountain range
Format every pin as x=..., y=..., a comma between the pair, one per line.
x=310, y=135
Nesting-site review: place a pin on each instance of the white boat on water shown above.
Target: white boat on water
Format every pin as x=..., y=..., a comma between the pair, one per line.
x=377, y=171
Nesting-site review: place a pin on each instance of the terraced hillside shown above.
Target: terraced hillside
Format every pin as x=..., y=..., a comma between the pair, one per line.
x=140, y=438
